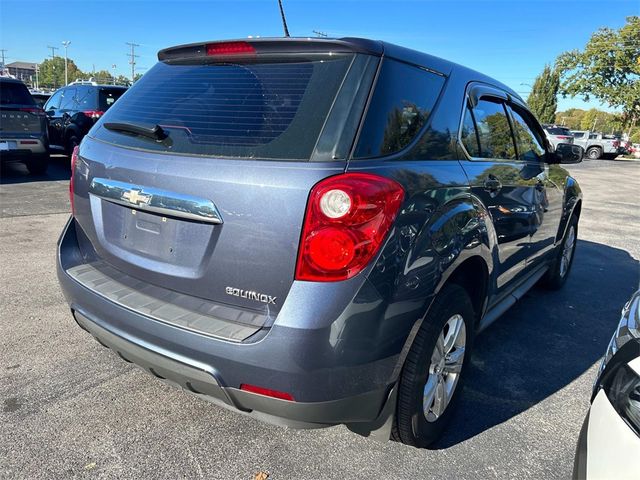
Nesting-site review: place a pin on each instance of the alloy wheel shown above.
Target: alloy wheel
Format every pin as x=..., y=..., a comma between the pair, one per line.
x=444, y=371
x=567, y=251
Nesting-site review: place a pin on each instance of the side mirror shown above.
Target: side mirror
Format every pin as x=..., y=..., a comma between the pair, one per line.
x=567, y=153
x=50, y=112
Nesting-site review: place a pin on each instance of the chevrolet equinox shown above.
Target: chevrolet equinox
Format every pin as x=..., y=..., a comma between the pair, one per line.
x=313, y=231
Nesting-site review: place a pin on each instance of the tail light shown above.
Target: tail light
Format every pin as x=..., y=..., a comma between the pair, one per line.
x=347, y=219
x=35, y=110
x=93, y=113
x=267, y=392
x=616, y=143
x=563, y=137
x=74, y=160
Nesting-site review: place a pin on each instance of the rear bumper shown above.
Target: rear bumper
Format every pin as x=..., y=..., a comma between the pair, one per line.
x=329, y=386
x=22, y=148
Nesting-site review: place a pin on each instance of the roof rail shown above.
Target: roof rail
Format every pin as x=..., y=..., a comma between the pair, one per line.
x=78, y=81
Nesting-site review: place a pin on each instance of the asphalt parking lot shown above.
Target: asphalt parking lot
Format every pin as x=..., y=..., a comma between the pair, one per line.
x=70, y=408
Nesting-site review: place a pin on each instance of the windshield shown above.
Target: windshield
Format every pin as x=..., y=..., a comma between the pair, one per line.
x=273, y=110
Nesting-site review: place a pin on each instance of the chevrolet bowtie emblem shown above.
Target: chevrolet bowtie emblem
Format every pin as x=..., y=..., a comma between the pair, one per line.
x=136, y=197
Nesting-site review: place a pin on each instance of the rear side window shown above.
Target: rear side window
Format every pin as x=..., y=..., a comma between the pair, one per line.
x=402, y=101
x=15, y=94
x=578, y=134
x=269, y=110
x=68, y=101
x=494, y=131
x=108, y=96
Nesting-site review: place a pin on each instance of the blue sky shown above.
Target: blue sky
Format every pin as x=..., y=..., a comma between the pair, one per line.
x=508, y=40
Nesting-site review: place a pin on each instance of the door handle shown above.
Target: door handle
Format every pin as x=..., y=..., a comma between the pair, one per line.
x=492, y=184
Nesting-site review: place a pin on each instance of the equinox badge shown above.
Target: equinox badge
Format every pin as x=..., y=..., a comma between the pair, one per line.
x=250, y=294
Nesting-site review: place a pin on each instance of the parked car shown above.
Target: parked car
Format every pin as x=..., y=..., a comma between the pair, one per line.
x=596, y=145
x=609, y=443
x=72, y=111
x=313, y=231
x=23, y=127
x=557, y=134
x=40, y=97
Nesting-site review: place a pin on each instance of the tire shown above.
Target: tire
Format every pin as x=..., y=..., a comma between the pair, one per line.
x=412, y=425
x=38, y=164
x=72, y=142
x=594, y=153
x=561, y=266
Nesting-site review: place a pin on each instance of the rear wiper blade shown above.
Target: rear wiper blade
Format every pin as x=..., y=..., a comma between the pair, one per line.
x=145, y=130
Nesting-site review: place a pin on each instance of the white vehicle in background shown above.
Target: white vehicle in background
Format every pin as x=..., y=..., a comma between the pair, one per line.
x=596, y=145
x=609, y=443
x=557, y=134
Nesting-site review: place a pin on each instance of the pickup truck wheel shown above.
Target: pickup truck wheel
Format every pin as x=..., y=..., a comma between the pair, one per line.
x=559, y=270
x=436, y=365
x=594, y=153
x=38, y=164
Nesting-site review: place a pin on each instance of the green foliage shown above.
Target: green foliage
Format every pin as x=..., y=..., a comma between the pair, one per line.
x=607, y=69
x=543, y=99
x=51, y=74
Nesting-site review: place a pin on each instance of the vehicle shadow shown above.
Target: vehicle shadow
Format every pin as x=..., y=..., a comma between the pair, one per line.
x=545, y=341
x=17, y=173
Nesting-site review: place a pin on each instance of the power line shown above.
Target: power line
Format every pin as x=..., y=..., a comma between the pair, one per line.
x=132, y=58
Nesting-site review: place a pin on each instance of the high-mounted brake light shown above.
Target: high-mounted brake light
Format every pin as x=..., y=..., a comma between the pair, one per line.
x=267, y=392
x=230, y=48
x=347, y=219
x=74, y=160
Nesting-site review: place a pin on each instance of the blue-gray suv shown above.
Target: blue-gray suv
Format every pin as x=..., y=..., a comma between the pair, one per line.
x=313, y=231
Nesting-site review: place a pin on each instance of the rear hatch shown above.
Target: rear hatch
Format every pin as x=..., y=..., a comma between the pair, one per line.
x=196, y=180
x=19, y=114
x=561, y=134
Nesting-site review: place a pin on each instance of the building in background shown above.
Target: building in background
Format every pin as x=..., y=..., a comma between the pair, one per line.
x=25, y=71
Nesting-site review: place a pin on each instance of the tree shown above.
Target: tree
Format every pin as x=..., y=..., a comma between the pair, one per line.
x=543, y=99
x=51, y=72
x=607, y=69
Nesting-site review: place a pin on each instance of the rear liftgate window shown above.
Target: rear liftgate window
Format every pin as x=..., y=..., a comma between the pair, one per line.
x=255, y=110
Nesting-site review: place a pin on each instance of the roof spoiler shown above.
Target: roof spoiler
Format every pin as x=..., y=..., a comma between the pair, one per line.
x=251, y=47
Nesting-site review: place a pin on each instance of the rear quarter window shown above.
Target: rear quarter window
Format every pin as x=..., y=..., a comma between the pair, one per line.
x=402, y=101
x=270, y=110
x=108, y=96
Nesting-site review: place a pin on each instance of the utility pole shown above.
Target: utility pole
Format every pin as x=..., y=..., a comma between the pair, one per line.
x=2, y=50
x=320, y=34
x=37, y=70
x=53, y=65
x=66, y=44
x=53, y=51
x=132, y=59
x=113, y=67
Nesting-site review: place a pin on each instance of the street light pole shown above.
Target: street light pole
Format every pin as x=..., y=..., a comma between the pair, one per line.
x=114, y=73
x=66, y=74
